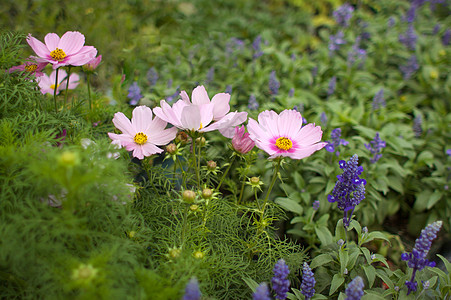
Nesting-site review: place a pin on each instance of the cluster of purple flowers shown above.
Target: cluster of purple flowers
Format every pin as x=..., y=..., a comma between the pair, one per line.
x=315, y=205
x=409, y=39
x=332, y=85
x=446, y=39
x=343, y=14
x=349, y=190
x=417, y=259
x=409, y=68
x=261, y=292
x=174, y=96
x=335, y=41
x=323, y=118
x=210, y=75
x=192, y=291
x=256, y=45
x=379, y=100
x=152, y=76
x=417, y=129
x=253, y=104
x=375, y=147
x=134, y=94
x=356, y=54
x=280, y=282
x=274, y=84
x=233, y=45
x=308, y=282
x=335, y=141
x=354, y=291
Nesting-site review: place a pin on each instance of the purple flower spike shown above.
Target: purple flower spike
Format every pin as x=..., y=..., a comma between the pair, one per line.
x=375, y=147
x=332, y=85
x=261, y=293
x=192, y=291
x=253, y=104
x=308, y=282
x=379, y=100
x=335, y=141
x=417, y=259
x=409, y=39
x=335, y=41
x=349, y=190
x=409, y=68
x=315, y=205
x=343, y=14
x=274, y=84
x=280, y=283
x=134, y=94
x=354, y=291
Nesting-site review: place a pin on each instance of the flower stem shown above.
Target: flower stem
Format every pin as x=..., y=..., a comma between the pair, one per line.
x=54, y=90
x=273, y=181
x=225, y=173
x=89, y=90
x=67, y=86
x=183, y=172
x=195, y=163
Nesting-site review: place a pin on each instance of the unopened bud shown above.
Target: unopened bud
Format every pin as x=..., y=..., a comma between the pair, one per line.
x=201, y=141
x=182, y=137
x=211, y=165
x=255, y=180
x=188, y=196
x=194, y=207
x=207, y=193
x=199, y=254
x=174, y=252
x=68, y=159
x=171, y=148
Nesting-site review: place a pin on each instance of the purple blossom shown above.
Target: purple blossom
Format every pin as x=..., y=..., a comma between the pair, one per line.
x=274, y=84
x=331, y=86
x=308, y=282
x=323, y=118
x=134, y=94
x=409, y=39
x=335, y=41
x=436, y=29
x=343, y=14
x=411, y=13
x=192, y=291
x=335, y=141
x=233, y=45
x=291, y=92
x=314, y=71
x=391, y=22
x=315, y=205
x=356, y=53
x=349, y=190
x=228, y=89
x=280, y=283
x=409, y=68
x=253, y=104
x=354, y=291
x=172, y=97
x=256, y=45
x=210, y=75
x=448, y=152
x=379, y=100
x=152, y=76
x=446, y=39
x=417, y=259
x=261, y=292
x=375, y=147
x=417, y=122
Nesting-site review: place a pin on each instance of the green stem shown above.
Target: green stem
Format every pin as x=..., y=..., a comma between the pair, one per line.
x=89, y=90
x=241, y=191
x=54, y=90
x=185, y=218
x=183, y=172
x=225, y=173
x=273, y=181
x=67, y=86
x=195, y=164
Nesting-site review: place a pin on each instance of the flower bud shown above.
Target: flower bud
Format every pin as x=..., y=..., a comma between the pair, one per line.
x=171, y=148
x=201, y=141
x=182, y=137
x=84, y=273
x=68, y=159
x=188, y=196
x=211, y=165
x=241, y=141
x=207, y=193
x=174, y=252
x=198, y=254
x=194, y=207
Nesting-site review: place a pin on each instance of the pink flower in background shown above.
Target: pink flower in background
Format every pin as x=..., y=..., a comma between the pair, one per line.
x=47, y=83
x=143, y=134
x=241, y=141
x=31, y=66
x=283, y=135
x=92, y=64
x=67, y=50
x=199, y=113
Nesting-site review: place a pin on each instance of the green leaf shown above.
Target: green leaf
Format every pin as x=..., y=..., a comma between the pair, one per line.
x=370, y=273
x=370, y=295
x=422, y=200
x=426, y=157
x=324, y=235
x=446, y=262
x=289, y=205
x=355, y=225
x=250, y=283
x=377, y=235
x=434, y=198
x=353, y=255
x=320, y=260
x=396, y=184
x=381, y=274
x=367, y=254
x=337, y=281
x=340, y=232
x=343, y=256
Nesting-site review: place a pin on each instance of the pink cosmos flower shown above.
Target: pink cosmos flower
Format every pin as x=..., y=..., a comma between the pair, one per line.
x=199, y=113
x=32, y=66
x=67, y=50
x=241, y=141
x=283, y=135
x=47, y=83
x=143, y=134
x=92, y=64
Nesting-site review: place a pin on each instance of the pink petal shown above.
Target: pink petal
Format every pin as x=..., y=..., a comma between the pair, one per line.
x=256, y=132
x=138, y=152
x=200, y=96
x=307, y=151
x=221, y=103
x=51, y=41
x=168, y=113
x=289, y=123
x=141, y=119
x=123, y=124
x=206, y=113
x=86, y=54
x=309, y=134
x=191, y=118
x=123, y=139
x=268, y=121
x=163, y=137
x=38, y=47
x=71, y=42
x=148, y=149
x=185, y=97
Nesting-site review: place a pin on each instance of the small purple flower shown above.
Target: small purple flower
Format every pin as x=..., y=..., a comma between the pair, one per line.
x=152, y=76
x=314, y=71
x=233, y=45
x=291, y=92
x=261, y=292
x=417, y=259
x=174, y=96
x=335, y=141
x=391, y=22
x=332, y=85
x=354, y=291
x=169, y=84
x=409, y=39
x=308, y=282
x=335, y=41
x=315, y=205
x=343, y=14
x=356, y=53
x=134, y=94
x=410, y=68
x=274, y=84
x=253, y=104
x=375, y=147
x=256, y=45
x=417, y=122
x=210, y=75
x=448, y=152
x=379, y=100
x=280, y=283
x=192, y=291
x=228, y=89
x=323, y=118
x=446, y=39
x=436, y=29
x=411, y=13
x=349, y=190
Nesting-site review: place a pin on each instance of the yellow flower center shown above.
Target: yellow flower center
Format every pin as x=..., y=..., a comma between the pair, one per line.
x=284, y=143
x=53, y=86
x=31, y=68
x=58, y=54
x=140, y=138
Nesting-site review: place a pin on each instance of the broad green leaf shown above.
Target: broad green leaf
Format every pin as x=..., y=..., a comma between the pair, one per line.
x=396, y=184
x=340, y=232
x=337, y=281
x=353, y=255
x=320, y=260
x=446, y=262
x=289, y=205
x=250, y=283
x=370, y=273
x=324, y=235
x=377, y=235
x=422, y=200
x=343, y=256
x=371, y=295
x=434, y=198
